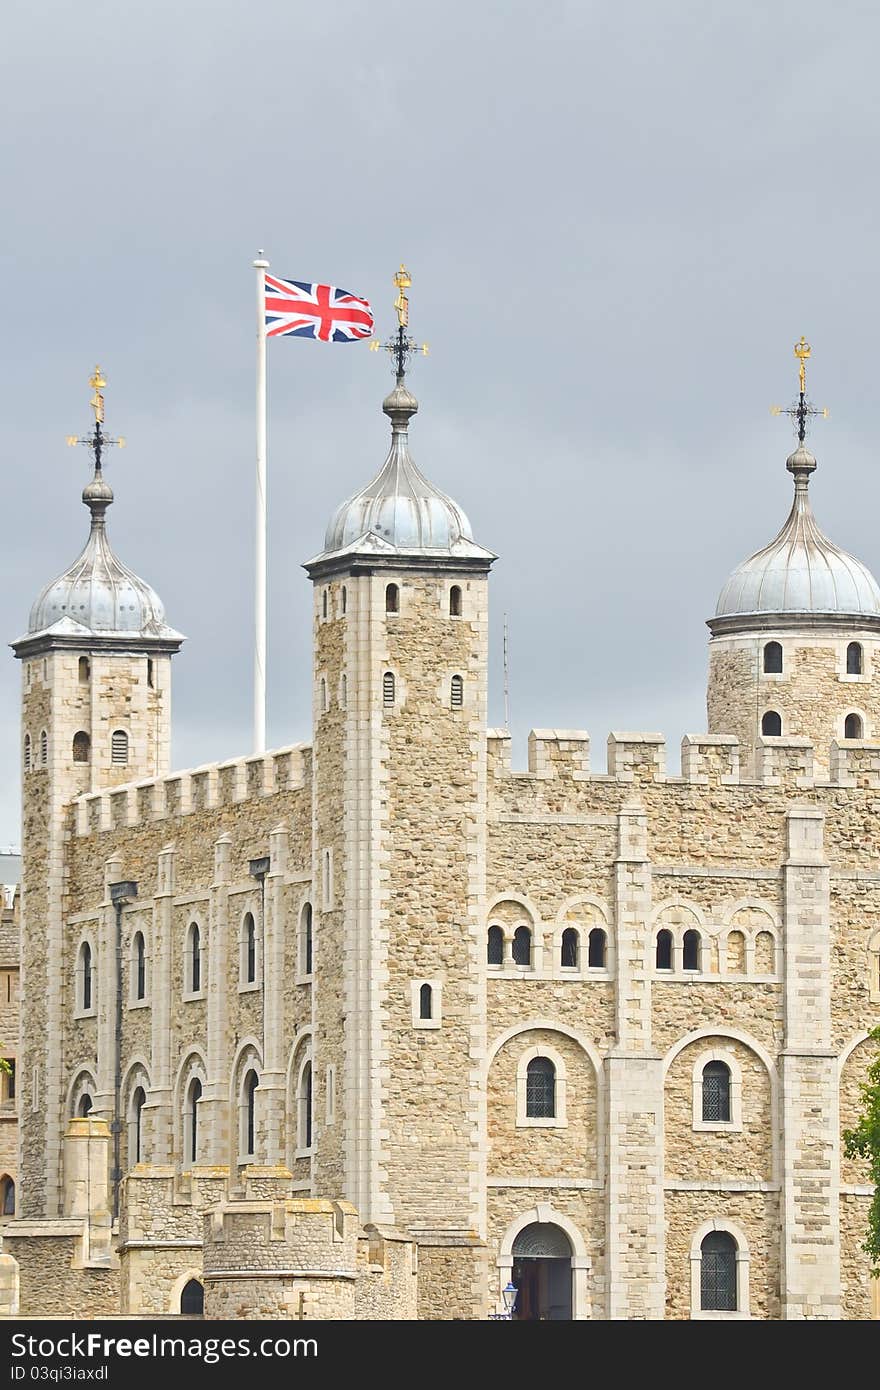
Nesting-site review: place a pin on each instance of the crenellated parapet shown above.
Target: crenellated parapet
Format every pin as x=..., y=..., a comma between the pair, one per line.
x=204, y=788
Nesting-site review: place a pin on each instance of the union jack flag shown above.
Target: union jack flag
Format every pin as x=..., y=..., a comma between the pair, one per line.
x=297, y=309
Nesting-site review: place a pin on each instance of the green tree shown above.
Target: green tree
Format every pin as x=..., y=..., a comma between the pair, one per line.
x=864, y=1142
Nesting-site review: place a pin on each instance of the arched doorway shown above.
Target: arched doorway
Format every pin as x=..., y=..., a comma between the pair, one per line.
x=192, y=1299
x=542, y=1273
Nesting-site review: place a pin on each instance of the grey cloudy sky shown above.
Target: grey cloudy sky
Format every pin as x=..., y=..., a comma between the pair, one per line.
x=618, y=217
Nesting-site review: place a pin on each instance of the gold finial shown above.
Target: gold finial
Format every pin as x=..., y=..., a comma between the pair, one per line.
x=97, y=382
x=802, y=351
x=402, y=280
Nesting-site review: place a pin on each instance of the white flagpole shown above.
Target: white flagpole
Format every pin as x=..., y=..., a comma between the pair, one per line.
x=260, y=266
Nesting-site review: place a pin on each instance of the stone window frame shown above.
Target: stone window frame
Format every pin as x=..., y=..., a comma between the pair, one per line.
x=873, y=953
x=583, y=970
x=133, y=1001
x=322, y=701
x=388, y=668
x=27, y=752
x=782, y=675
x=560, y=1119
x=301, y=975
x=436, y=986
x=866, y=727
x=447, y=595
x=304, y=1150
x=44, y=748
x=120, y=742
x=86, y=939
x=772, y=709
x=248, y=1066
x=743, y=1259
x=136, y=1077
x=342, y=695
x=192, y=1068
x=83, y=1083
x=194, y=920
x=769, y=925
x=696, y=921
x=246, y=986
x=735, y=1124
x=865, y=676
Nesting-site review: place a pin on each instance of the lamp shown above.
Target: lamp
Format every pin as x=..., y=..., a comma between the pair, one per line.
x=509, y=1293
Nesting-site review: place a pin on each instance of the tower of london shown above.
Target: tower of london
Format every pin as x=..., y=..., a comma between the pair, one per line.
x=381, y=1026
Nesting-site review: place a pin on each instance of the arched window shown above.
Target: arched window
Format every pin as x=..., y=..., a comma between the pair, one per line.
x=119, y=746
x=251, y=1082
x=716, y=1092
x=570, y=953
x=522, y=946
x=85, y=668
x=85, y=975
x=27, y=752
x=7, y=1196
x=82, y=745
x=495, y=946
x=136, y=1145
x=426, y=1002
x=194, y=959
x=596, y=948
x=150, y=672
x=304, y=1118
x=771, y=724
x=691, y=954
x=392, y=599
x=305, y=940
x=343, y=692
x=192, y=1299
x=854, y=659
x=718, y=1272
x=664, y=950
x=7, y=1080
x=84, y=1106
x=388, y=689
x=773, y=658
x=455, y=602
x=250, y=949
x=541, y=1089
x=140, y=966
x=44, y=748
x=853, y=726
x=344, y=600
x=456, y=693
x=191, y=1120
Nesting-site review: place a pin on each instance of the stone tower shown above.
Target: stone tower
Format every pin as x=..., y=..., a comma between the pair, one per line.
x=400, y=644
x=96, y=710
x=795, y=649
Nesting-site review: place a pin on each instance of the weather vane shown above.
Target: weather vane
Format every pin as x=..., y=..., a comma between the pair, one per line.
x=804, y=409
x=97, y=441
x=401, y=346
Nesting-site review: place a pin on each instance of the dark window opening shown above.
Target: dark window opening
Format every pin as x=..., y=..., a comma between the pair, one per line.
x=495, y=946
x=140, y=961
x=455, y=602
x=541, y=1089
x=192, y=1299
x=773, y=658
x=344, y=599
x=138, y=1101
x=522, y=946
x=307, y=939
x=426, y=1002
x=392, y=599
x=718, y=1272
x=570, y=949
x=7, y=1196
x=119, y=746
x=596, y=948
x=854, y=659
x=84, y=1107
x=691, y=956
x=150, y=677
x=195, y=959
x=252, y=1081
x=86, y=960
x=664, y=950
x=82, y=745
x=716, y=1092
x=250, y=949
x=853, y=726
x=457, y=692
x=195, y=1095
x=85, y=668
x=388, y=689
x=771, y=724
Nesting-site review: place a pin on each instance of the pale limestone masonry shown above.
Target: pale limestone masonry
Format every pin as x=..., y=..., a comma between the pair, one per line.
x=399, y=1023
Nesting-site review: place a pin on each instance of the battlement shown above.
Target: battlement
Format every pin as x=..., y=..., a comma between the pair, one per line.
x=706, y=760
x=202, y=788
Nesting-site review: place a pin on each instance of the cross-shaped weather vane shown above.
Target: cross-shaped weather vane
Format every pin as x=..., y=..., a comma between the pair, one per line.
x=804, y=409
x=97, y=441
x=401, y=346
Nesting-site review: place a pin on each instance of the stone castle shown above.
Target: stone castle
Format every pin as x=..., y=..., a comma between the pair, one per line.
x=379, y=1027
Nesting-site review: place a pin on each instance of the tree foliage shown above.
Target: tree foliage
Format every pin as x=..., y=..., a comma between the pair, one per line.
x=864, y=1142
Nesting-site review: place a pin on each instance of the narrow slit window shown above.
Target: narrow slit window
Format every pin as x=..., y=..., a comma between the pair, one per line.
x=495, y=946
x=250, y=949
x=324, y=604
x=140, y=966
x=522, y=946
x=85, y=965
x=252, y=1081
x=388, y=689
x=343, y=692
x=151, y=679
x=426, y=1002
x=195, y=959
x=597, y=948
x=457, y=692
x=773, y=658
x=392, y=599
x=138, y=1101
x=664, y=950
x=854, y=663
x=571, y=949
x=455, y=602
x=344, y=600
x=119, y=746
x=44, y=748
x=771, y=724
x=27, y=752
x=691, y=953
